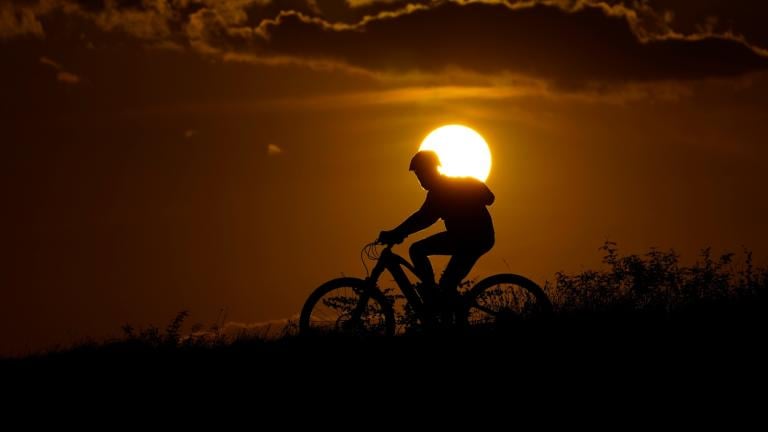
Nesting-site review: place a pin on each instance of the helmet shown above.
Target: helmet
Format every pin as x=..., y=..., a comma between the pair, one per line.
x=424, y=159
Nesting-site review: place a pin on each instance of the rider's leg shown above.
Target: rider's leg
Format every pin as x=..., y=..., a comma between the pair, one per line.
x=457, y=269
x=438, y=244
x=468, y=251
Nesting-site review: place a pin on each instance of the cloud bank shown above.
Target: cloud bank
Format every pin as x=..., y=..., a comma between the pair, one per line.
x=567, y=43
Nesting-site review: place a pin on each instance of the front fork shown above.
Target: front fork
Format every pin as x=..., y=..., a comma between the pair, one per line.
x=365, y=293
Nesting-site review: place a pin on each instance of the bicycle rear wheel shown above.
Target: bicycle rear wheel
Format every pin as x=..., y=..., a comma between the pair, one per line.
x=347, y=306
x=505, y=299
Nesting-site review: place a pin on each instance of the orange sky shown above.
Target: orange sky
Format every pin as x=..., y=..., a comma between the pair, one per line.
x=172, y=155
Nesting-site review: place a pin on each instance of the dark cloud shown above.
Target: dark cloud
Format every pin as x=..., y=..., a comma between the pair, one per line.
x=16, y=21
x=570, y=43
x=581, y=46
x=61, y=74
x=351, y=11
x=48, y=62
x=67, y=77
x=744, y=17
x=273, y=149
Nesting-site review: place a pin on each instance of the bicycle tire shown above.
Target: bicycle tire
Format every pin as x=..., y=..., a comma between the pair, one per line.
x=504, y=299
x=329, y=309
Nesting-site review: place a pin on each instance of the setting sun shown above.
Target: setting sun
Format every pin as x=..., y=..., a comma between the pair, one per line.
x=462, y=151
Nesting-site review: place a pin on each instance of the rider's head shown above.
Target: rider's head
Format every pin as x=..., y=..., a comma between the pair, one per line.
x=424, y=164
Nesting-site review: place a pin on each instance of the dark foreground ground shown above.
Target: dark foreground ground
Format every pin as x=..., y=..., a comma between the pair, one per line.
x=614, y=370
x=644, y=329
x=610, y=341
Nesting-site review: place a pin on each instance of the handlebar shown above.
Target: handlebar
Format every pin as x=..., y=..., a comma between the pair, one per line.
x=370, y=249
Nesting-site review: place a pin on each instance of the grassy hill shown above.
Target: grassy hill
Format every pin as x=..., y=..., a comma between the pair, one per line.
x=641, y=305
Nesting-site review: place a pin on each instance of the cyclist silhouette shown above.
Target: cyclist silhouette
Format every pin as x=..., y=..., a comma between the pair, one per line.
x=461, y=203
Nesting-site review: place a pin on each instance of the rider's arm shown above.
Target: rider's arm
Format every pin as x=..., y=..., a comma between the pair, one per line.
x=421, y=219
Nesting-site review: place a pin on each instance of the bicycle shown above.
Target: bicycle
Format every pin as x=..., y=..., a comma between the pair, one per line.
x=355, y=306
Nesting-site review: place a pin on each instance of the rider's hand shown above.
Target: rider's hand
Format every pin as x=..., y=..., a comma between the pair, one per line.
x=390, y=237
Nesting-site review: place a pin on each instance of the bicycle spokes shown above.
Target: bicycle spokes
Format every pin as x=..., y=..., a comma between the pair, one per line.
x=503, y=303
x=348, y=310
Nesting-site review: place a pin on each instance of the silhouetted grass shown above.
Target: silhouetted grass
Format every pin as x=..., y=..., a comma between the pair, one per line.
x=647, y=300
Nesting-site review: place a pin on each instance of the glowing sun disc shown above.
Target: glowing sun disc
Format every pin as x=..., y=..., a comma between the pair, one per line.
x=462, y=151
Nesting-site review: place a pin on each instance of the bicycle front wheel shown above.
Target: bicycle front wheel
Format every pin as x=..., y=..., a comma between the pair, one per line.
x=504, y=299
x=347, y=306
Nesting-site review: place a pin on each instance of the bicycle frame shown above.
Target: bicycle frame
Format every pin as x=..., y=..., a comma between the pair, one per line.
x=495, y=299
x=393, y=262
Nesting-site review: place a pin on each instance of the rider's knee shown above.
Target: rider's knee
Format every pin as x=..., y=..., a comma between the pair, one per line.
x=417, y=249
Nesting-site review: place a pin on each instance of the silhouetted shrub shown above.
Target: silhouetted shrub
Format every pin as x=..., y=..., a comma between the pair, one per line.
x=656, y=282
